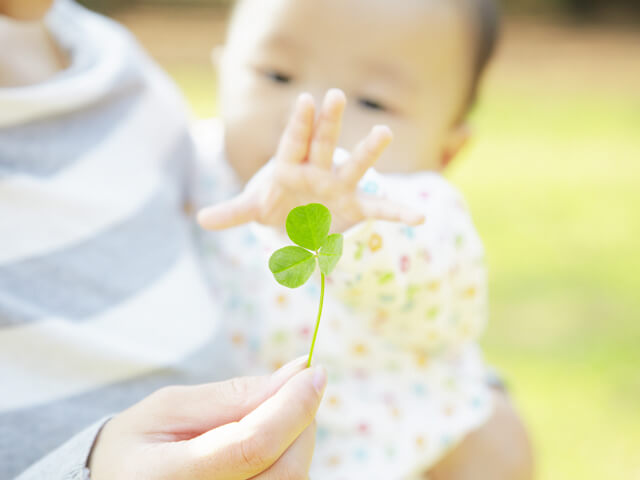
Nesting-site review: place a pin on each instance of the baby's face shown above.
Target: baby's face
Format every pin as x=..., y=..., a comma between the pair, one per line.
x=405, y=64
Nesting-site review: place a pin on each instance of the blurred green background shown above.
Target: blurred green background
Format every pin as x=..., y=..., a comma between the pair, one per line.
x=553, y=179
x=590, y=9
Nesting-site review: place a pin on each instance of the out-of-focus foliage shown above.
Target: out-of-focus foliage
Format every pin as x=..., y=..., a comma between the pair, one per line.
x=108, y=6
x=579, y=9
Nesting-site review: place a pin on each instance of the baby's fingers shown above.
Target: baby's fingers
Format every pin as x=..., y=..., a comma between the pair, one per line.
x=385, y=209
x=237, y=211
x=365, y=155
x=327, y=130
x=294, y=144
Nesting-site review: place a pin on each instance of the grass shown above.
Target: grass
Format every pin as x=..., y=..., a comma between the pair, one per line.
x=553, y=181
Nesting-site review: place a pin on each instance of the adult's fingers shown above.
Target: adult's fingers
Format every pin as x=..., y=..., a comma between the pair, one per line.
x=385, y=209
x=327, y=129
x=237, y=211
x=295, y=462
x=243, y=449
x=294, y=144
x=188, y=411
x=365, y=154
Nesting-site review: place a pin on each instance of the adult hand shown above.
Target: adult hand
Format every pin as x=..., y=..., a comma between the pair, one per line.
x=303, y=171
x=245, y=428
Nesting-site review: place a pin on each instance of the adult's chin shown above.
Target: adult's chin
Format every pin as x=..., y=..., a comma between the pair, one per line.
x=25, y=10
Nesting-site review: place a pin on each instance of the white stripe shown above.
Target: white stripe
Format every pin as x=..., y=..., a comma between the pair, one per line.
x=38, y=215
x=53, y=359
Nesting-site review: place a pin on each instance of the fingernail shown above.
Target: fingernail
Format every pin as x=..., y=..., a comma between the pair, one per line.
x=335, y=94
x=290, y=368
x=383, y=130
x=319, y=379
x=305, y=97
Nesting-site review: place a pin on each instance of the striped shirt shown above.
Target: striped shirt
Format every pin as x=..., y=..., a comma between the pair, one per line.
x=101, y=295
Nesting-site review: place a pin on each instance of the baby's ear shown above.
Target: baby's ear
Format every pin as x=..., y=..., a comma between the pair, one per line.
x=456, y=139
x=217, y=53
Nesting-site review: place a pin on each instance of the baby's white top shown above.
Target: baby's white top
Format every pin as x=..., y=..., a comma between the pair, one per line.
x=403, y=311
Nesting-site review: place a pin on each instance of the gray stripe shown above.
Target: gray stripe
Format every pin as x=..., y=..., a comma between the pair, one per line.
x=27, y=435
x=85, y=279
x=47, y=146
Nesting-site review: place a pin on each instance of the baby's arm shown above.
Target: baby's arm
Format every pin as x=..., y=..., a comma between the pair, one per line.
x=424, y=287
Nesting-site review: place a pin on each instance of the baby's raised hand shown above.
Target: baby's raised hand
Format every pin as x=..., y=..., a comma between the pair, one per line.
x=303, y=171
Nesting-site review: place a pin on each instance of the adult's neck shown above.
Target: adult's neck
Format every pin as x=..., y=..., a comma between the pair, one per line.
x=29, y=54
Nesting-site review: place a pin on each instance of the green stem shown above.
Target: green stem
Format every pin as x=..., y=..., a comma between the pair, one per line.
x=315, y=333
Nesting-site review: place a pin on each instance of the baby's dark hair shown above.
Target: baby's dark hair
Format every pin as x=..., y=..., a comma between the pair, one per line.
x=485, y=20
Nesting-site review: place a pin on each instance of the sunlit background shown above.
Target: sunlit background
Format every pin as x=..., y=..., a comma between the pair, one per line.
x=553, y=179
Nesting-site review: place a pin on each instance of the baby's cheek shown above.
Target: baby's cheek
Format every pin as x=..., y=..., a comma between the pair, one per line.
x=413, y=149
x=245, y=151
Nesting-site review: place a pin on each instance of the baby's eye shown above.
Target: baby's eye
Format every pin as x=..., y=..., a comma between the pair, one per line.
x=372, y=104
x=278, y=77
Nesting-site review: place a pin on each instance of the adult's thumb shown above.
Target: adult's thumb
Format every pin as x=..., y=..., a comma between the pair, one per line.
x=199, y=408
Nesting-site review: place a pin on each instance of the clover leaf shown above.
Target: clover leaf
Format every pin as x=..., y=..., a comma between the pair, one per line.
x=330, y=253
x=292, y=266
x=308, y=227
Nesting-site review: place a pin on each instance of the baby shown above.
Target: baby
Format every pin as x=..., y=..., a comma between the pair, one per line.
x=408, y=300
